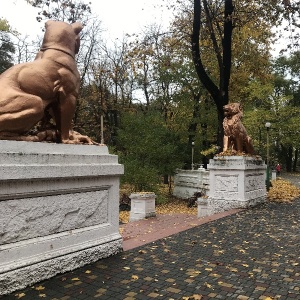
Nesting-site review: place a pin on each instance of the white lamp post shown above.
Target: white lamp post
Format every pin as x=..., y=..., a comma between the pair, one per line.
x=268, y=125
x=193, y=146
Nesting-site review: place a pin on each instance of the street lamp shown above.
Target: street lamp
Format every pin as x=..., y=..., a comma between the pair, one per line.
x=268, y=125
x=193, y=146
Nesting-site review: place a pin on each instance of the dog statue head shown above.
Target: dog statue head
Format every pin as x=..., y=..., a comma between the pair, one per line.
x=232, y=109
x=62, y=36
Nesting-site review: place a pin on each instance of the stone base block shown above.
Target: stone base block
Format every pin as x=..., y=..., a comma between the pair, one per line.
x=59, y=209
x=236, y=182
x=203, y=208
x=142, y=206
x=220, y=205
x=30, y=274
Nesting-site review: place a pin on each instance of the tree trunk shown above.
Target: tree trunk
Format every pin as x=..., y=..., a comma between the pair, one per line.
x=295, y=160
x=289, y=159
x=219, y=94
x=227, y=41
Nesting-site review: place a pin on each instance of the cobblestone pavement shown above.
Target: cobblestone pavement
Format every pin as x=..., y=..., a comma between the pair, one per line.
x=253, y=254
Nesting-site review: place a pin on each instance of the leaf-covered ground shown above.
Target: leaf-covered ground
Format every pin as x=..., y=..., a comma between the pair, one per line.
x=172, y=206
x=283, y=191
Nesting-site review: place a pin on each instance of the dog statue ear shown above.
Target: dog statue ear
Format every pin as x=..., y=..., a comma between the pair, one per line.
x=49, y=22
x=77, y=26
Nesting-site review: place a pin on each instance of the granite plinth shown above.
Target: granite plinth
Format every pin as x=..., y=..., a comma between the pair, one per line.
x=59, y=209
x=236, y=182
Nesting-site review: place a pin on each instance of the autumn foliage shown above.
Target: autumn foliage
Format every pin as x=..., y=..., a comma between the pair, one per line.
x=283, y=191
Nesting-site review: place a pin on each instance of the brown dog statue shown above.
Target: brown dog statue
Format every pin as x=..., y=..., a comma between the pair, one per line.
x=44, y=89
x=235, y=134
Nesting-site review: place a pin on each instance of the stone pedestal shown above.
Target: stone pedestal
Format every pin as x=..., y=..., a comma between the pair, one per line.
x=203, y=207
x=236, y=182
x=59, y=209
x=142, y=206
x=188, y=182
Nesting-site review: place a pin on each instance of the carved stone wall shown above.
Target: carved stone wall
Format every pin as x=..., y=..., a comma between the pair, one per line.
x=188, y=182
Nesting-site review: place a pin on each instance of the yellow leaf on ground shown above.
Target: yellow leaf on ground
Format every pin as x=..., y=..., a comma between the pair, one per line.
x=88, y=272
x=21, y=295
x=75, y=279
x=42, y=295
x=135, y=277
x=40, y=288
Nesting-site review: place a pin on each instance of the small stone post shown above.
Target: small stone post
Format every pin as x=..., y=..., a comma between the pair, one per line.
x=142, y=206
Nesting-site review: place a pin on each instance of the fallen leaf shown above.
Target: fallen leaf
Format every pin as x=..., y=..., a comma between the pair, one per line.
x=21, y=295
x=75, y=279
x=40, y=288
x=42, y=295
x=208, y=285
x=197, y=297
x=135, y=277
x=88, y=272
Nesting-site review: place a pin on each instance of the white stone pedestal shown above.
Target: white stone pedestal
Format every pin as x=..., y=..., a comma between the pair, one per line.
x=142, y=206
x=236, y=182
x=59, y=209
x=203, y=207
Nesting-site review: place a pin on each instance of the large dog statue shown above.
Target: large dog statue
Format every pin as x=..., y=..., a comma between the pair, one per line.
x=235, y=135
x=44, y=89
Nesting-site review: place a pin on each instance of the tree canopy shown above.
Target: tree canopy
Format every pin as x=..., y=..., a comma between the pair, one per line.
x=7, y=48
x=160, y=90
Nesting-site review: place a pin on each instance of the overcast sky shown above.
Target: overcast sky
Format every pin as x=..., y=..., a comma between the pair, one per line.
x=117, y=16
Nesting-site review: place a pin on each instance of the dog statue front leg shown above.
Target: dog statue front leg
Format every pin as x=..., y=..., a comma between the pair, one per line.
x=64, y=111
x=225, y=143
